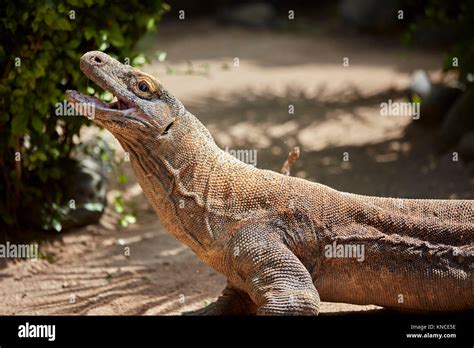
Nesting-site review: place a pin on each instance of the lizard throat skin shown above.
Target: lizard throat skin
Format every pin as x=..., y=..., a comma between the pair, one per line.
x=269, y=233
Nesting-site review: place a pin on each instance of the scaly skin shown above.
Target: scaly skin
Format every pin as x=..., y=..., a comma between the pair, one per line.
x=267, y=232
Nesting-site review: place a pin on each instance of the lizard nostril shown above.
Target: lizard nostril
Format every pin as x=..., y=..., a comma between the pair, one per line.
x=96, y=60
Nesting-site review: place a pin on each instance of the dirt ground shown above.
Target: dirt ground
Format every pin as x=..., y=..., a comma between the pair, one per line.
x=337, y=113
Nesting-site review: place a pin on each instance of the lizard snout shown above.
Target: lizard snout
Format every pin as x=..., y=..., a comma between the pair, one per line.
x=95, y=58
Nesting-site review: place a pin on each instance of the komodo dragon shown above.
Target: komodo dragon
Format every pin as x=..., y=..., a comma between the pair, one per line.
x=283, y=243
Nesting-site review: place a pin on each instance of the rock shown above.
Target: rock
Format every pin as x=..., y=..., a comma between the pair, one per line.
x=369, y=14
x=84, y=183
x=434, y=36
x=459, y=120
x=436, y=105
x=466, y=147
x=258, y=14
x=420, y=84
x=87, y=186
x=436, y=99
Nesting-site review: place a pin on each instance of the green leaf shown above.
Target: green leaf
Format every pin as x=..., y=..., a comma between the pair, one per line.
x=4, y=89
x=105, y=157
x=56, y=225
x=103, y=46
x=4, y=117
x=122, y=179
x=107, y=96
x=161, y=56
x=150, y=25
x=50, y=47
x=139, y=60
x=48, y=256
x=118, y=204
x=131, y=219
x=41, y=155
x=115, y=35
x=73, y=44
x=94, y=206
x=63, y=24
x=416, y=98
x=127, y=219
x=55, y=173
x=89, y=33
x=49, y=19
x=19, y=124
x=37, y=123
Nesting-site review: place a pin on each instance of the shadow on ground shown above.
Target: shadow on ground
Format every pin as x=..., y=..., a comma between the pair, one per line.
x=402, y=163
x=345, y=143
x=92, y=274
x=314, y=46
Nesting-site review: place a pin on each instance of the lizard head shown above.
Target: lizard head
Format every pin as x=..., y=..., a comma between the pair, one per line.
x=143, y=107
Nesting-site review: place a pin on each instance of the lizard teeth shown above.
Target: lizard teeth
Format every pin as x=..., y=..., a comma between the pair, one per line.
x=123, y=104
x=117, y=104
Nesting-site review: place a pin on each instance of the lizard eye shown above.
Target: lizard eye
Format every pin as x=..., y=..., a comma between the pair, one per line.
x=143, y=87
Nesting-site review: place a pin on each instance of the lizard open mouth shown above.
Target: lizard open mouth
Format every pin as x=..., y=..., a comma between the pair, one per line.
x=120, y=104
x=133, y=105
x=92, y=107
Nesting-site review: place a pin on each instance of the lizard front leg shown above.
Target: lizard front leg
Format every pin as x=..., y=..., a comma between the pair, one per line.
x=232, y=302
x=275, y=279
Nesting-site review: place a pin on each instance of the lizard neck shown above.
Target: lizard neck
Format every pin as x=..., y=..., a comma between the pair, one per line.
x=166, y=172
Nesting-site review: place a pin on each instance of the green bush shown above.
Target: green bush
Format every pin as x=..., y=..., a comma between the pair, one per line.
x=456, y=17
x=41, y=43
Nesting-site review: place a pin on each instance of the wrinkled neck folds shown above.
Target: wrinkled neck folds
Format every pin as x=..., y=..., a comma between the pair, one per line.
x=167, y=173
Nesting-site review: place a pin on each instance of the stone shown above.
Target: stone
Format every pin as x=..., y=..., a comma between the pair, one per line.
x=258, y=14
x=420, y=84
x=435, y=106
x=370, y=14
x=87, y=186
x=436, y=99
x=459, y=120
x=466, y=147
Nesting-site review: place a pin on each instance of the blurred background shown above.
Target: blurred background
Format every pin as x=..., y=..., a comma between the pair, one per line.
x=262, y=76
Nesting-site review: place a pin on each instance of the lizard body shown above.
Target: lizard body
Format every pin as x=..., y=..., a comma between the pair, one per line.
x=284, y=243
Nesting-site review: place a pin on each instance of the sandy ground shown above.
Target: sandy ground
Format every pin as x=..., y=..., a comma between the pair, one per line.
x=246, y=107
